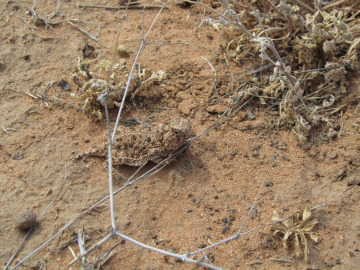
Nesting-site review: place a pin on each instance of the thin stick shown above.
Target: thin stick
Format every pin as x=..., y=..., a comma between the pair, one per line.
x=317, y=69
x=112, y=215
x=290, y=260
x=94, y=247
x=30, y=26
x=4, y=130
x=86, y=33
x=68, y=103
x=183, y=257
x=214, y=82
x=305, y=6
x=81, y=244
x=55, y=12
x=122, y=7
x=106, y=255
x=330, y=6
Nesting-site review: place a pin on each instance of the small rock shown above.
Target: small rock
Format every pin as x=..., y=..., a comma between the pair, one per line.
x=178, y=260
x=201, y=245
x=353, y=178
x=250, y=114
x=153, y=235
x=210, y=37
x=269, y=184
x=217, y=109
x=337, y=127
x=333, y=155
x=26, y=220
x=233, y=153
x=210, y=257
x=64, y=85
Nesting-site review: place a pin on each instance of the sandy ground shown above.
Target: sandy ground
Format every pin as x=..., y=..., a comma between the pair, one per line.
x=199, y=199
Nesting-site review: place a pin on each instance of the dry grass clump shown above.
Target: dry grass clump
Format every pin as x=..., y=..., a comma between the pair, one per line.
x=296, y=230
x=318, y=46
x=111, y=79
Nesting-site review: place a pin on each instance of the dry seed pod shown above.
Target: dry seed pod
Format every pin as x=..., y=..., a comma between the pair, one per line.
x=122, y=51
x=26, y=220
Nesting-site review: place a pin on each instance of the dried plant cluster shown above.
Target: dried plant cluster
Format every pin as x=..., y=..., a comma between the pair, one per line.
x=297, y=230
x=317, y=47
x=91, y=84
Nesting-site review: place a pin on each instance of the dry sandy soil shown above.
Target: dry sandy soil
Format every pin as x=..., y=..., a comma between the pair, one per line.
x=197, y=200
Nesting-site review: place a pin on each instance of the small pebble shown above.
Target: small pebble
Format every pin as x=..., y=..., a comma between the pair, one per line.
x=26, y=220
x=153, y=235
x=333, y=155
x=269, y=184
x=202, y=245
x=64, y=85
